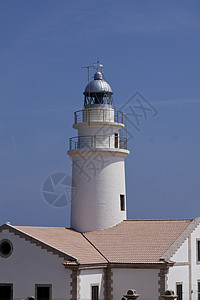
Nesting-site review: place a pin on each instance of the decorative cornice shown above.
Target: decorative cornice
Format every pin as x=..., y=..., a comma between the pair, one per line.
x=159, y=265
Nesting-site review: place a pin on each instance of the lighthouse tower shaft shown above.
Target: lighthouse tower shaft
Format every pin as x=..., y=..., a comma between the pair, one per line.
x=98, y=169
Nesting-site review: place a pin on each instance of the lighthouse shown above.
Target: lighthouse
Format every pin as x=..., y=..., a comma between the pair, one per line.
x=98, y=152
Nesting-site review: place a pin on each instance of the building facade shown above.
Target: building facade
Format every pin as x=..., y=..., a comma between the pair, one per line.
x=103, y=254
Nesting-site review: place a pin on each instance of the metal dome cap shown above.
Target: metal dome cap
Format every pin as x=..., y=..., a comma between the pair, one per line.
x=98, y=85
x=98, y=92
x=98, y=75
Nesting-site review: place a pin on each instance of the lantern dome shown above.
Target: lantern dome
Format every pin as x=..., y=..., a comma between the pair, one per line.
x=98, y=92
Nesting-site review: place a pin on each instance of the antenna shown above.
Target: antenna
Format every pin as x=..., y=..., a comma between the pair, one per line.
x=88, y=68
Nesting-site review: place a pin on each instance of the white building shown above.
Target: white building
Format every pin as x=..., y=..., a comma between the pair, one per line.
x=103, y=254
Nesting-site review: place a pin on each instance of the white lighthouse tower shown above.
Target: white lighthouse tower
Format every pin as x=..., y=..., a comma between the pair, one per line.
x=98, y=153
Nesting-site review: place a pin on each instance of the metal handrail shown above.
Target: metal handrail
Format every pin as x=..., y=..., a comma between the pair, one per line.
x=84, y=116
x=97, y=141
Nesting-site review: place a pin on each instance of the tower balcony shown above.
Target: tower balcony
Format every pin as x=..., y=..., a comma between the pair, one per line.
x=99, y=115
x=98, y=142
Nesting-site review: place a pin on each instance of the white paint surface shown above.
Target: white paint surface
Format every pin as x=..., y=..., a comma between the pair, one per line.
x=29, y=265
x=179, y=274
x=145, y=282
x=96, y=204
x=98, y=177
x=195, y=265
x=181, y=254
x=89, y=278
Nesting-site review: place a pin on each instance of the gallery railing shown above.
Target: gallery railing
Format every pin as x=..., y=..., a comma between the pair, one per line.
x=99, y=115
x=97, y=141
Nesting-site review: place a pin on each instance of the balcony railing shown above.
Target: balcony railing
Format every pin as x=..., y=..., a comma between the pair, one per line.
x=99, y=115
x=97, y=141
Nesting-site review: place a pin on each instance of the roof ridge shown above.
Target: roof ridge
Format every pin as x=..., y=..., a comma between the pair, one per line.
x=83, y=234
x=32, y=226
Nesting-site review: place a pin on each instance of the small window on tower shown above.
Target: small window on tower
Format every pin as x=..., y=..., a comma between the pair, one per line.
x=122, y=202
x=116, y=140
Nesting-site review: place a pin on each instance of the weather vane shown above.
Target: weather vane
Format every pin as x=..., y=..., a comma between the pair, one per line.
x=96, y=66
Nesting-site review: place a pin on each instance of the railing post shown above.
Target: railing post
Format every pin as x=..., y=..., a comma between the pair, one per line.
x=89, y=112
x=78, y=146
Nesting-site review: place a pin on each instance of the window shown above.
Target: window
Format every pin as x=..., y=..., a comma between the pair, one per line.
x=122, y=202
x=6, y=291
x=198, y=251
x=6, y=248
x=43, y=292
x=116, y=140
x=179, y=291
x=198, y=290
x=95, y=292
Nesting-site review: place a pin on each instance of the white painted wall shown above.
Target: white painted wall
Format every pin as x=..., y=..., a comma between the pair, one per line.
x=145, y=282
x=96, y=204
x=181, y=254
x=179, y=274
x=89, y=278
x=98, y=114
x=195, y=266
x=98, y=176
x=29, y=265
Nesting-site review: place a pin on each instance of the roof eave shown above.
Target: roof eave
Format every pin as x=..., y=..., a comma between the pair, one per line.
x=37, y=242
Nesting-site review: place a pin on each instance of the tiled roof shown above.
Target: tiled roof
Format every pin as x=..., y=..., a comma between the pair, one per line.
x=132, y=241
x=137, y=241
x=67, y=241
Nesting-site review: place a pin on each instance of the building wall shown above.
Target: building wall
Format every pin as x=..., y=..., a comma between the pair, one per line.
x=98, y=191
x=186, y=269
x=87, y=278
x=182, y=254
x=145, y=282
x=179, y=274
x=29, y=265
x=195, y=265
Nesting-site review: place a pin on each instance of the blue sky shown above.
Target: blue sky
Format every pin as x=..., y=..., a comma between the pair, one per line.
x=151, y=47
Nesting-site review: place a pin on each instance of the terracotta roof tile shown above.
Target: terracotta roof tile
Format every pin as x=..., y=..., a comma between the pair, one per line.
x=137, y=241
x=67, y=241
x=132, y=241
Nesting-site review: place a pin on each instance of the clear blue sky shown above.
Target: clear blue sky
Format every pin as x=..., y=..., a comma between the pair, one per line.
x=147, y=46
